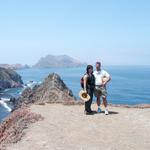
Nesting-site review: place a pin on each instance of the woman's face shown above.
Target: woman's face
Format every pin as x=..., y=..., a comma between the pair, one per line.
x=90, y=70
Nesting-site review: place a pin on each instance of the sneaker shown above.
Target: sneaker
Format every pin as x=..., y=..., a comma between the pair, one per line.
x=106, y=112
x=98, y=110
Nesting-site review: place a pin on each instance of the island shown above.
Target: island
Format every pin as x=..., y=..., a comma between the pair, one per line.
x=59, y=61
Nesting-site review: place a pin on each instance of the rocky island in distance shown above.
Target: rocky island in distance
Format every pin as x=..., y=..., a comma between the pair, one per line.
x=58, y=61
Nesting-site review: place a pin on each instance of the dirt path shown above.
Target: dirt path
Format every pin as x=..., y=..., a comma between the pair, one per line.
x=67, y=128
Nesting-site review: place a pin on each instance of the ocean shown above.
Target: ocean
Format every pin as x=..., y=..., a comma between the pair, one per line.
x=129, y=84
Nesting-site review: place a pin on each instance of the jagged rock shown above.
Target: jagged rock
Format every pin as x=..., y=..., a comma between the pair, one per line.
x=52, y=90
x=9, y=79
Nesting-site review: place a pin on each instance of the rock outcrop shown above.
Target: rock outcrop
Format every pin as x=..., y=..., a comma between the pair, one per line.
x=58, y=61
x=52, y=90
x=9, y=79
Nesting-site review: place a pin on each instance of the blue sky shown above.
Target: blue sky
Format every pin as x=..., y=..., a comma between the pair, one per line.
x=112, y=31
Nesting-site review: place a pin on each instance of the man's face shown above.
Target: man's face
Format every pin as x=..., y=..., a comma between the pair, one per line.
x=98, y=67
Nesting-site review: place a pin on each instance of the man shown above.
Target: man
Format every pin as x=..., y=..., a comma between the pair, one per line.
x=100, y=86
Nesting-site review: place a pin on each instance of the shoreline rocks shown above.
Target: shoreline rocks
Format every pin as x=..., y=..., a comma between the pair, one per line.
x=9, y=79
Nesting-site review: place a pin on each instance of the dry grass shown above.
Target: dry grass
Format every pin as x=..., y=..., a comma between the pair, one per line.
x=11, y=130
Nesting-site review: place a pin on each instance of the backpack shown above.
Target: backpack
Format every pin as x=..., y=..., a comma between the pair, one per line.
x=82, y=82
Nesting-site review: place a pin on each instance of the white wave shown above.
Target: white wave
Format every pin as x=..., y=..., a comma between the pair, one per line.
x=4, y=104
x=6, y=90
x=39, y=82
x=20, y=93
x=5, y=99
x=31, y=84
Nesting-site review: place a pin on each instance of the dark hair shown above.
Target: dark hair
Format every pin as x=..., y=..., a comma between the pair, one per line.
x=98, y=62
x=88, y=67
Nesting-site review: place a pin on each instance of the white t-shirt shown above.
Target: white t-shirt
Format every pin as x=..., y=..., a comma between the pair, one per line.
x=99, y=75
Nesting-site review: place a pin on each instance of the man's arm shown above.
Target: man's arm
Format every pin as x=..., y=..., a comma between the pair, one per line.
x=108, y=78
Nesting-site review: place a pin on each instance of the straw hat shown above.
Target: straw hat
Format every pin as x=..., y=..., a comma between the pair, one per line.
x=84, y=95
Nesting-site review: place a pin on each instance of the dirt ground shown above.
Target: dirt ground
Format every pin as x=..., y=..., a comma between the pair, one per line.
x=68, y=128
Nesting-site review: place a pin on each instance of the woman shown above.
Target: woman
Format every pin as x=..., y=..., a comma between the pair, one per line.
x=89, y=85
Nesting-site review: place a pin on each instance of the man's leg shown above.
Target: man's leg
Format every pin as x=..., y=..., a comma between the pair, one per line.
x=97, y=93
x=98, y=101
x=98, y=104
x=105, y=104
x=104, y=101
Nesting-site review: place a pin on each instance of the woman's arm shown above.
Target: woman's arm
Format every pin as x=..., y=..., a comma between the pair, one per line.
x=85, y=82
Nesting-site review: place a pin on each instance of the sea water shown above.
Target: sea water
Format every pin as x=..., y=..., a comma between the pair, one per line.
x=129, y=84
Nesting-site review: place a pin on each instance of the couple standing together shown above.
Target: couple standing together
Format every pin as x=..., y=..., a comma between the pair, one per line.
x=95, y=83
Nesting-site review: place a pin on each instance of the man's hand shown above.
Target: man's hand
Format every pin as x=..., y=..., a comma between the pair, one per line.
x=104, y=83
x=105, y=80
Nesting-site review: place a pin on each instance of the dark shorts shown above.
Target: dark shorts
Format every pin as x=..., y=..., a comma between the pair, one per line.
x=100, y=91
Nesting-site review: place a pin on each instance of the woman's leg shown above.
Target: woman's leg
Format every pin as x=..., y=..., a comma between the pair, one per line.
x=88, y=103
x=86, y=106
x=91, y=99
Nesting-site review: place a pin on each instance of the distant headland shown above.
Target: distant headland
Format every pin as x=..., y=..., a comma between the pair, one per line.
x=50, y=61
x=14, y=66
